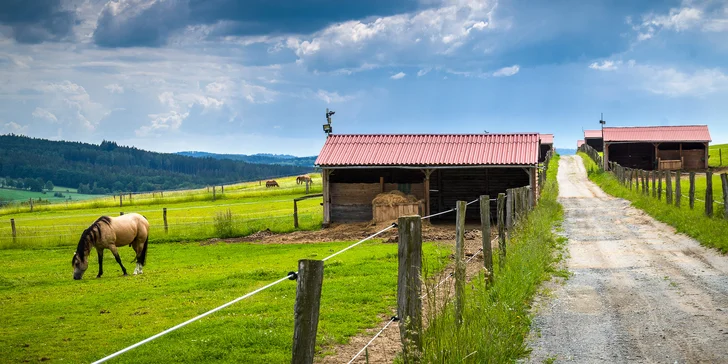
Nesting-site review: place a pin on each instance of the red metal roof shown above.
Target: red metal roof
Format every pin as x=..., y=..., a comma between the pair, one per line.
x=547, y=139
x=590, y=134
x=430, y=150
x=690, y=133
x=579, y=143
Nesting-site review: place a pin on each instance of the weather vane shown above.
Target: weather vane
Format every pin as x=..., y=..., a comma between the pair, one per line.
x=327, y=126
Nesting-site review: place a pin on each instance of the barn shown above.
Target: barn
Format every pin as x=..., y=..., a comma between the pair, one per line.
x=579, y=143
x=437, y=169
x=547, y=144
x=658, y=147
x=593, y=138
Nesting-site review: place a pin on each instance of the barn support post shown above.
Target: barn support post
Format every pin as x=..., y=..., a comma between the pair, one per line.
x=605, y=166
x=409, y=285
x=724, y=180
x=485, y=229
x=381, y=184
x=428, y=173
x=678, y=189
x=12, y=227
x=460, y=261
x=306, y=310
x=691, y=193
x=501, y=228
x=709, y=193
x=668, y=187
x=326, y=175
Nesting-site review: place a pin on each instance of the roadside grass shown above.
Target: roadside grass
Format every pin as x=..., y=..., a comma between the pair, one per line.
x=48, y=316
x=715, y=152
x=14, y=195
x=496, y=319
x=712, y=232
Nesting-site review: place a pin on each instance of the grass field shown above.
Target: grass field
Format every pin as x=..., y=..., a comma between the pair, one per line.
x=715, y=156
x=496, y=319
x=13, y=195
x=190, y=216
x=48, y=316
x=712, y=232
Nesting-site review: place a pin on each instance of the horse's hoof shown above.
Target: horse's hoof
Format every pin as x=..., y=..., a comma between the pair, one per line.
x=98, y=276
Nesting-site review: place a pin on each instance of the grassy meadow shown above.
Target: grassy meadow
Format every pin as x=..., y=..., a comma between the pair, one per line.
x=19, y=196
x=712, y=232
x=715, y=152
x=47, y=316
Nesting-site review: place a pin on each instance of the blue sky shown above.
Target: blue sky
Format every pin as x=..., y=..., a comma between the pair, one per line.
x=254, y=76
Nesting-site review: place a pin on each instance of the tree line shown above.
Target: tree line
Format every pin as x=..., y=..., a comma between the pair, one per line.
x=109, y=167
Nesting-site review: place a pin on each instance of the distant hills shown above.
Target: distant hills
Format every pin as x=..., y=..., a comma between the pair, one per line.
x=262, y=158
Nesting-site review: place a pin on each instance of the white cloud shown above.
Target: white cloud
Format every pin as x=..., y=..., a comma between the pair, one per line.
x=14, y=128
x=44, y=114
x=257, y=94
x=423, y=72
x=332, y=97
x=77, y=102
x=692, y=15
x=606, y=65
x=671, y=82
x=170, y=121
x=507, y=71
x=398, y=76
x=114, y=88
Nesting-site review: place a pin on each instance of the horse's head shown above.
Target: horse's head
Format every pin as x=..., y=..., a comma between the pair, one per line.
x=80, y=264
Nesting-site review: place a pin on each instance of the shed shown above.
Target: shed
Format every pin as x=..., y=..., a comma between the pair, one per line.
x=658, y=147
x=437, y=168
x=593, y=138
x=547, y=144
x=579, y=143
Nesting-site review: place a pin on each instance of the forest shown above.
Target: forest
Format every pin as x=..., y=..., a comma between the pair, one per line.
x=109, y=167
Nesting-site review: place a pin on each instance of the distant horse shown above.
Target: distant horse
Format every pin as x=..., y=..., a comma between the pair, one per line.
x=110, y=233
x=271, y=183
x=300, y=180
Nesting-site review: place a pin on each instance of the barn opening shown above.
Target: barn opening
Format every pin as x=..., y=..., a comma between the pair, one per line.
x=593, y=138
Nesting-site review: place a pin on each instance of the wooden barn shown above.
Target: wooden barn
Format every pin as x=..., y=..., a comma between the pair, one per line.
x=658, y=147
x=579, y=143
x=547, y=144
x=437, y=169
x=593, y=138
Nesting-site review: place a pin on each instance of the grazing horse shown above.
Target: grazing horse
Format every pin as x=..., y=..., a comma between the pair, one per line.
x=303, y=179
x=271, y=183
x=110, y=233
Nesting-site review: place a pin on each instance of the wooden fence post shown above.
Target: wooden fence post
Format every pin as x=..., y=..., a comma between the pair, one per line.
x=668, y=187
x=308, y=183
x=659, y=185
x=30, y=202
x=295, y=213
x=485, y=229
x=654, y=184
x=12, y=226
x=121, y=213
x=164, y=216
x=460, y=261
x=509, y=209
x=501, y=228
x=130, y=200
x=121, y=200
x=222, y=189
x=678, y=188
x=709, y=193
x=409, y=285
x=724, y=179
x=213, y=192
x=306, y=310
x=691, y=192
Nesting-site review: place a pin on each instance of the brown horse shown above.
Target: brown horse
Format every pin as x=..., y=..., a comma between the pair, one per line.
x=303, y=179
x=110, y=233
x=271, y=183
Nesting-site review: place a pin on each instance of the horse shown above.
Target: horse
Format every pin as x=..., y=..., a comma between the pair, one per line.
x=303, y=179
x=110, y=233
x=271, y=183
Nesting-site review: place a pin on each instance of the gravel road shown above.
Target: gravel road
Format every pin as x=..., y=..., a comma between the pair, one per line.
x=640, y=293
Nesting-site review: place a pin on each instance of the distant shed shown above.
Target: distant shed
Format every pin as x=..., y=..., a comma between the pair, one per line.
x=658, y=147
x=438, y=169
x=547, y=144
x=579, y=143
x=593, y=138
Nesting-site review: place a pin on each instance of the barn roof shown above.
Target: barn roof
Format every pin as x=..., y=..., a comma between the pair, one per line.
x=429, y=150
x=579, y=143
x=592, y=134
x=547, y=139
x=687, y=133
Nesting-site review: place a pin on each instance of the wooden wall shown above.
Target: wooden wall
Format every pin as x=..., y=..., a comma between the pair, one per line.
x=633, y=155
x=352, y=202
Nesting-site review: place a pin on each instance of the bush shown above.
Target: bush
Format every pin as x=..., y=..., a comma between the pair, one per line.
x=224, y=224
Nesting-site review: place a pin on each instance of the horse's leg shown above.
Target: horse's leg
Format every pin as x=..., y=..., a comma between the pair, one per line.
x=118, y=258
x=138, y=247
x=101, y=261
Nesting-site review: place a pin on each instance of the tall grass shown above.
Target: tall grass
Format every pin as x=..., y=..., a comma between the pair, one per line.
x=712, y=232
x=496, y=317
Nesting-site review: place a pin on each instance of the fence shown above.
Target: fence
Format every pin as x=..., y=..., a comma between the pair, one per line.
x=650, y=183
x=512, y=207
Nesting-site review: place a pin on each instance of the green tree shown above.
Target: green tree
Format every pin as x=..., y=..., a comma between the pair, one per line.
x=49, y=185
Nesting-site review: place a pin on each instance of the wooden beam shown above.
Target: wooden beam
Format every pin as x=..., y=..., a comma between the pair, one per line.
x=427, y=173
x=326, y=174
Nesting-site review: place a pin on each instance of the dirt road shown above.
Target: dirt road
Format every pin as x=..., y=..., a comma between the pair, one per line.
x=639, y=291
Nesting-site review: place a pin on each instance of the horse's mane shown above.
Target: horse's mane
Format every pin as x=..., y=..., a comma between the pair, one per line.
x=91, y=234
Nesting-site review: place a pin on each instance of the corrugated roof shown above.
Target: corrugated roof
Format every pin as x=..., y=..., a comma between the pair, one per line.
x=579, y=143
x=547, y=138
x=590, y=134
x=429, y=150
x=688, y=133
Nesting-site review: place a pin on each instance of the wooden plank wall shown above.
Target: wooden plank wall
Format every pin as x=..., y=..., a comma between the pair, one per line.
x=352, y=202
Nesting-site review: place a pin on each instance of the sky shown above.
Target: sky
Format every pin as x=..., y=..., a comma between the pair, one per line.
x=256, y=76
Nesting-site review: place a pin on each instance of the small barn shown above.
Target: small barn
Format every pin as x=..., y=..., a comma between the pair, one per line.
x=547, y=144
x=593, y=138
x=658, y=147
x=579, y=143
x=437, y=169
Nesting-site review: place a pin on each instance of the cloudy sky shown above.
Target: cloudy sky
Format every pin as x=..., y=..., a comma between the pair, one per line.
x=255, y=76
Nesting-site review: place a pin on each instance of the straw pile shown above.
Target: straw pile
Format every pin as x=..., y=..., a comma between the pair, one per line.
x=393, y=198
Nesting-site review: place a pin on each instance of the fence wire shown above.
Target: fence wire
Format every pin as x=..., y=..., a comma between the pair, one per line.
x=395, y=318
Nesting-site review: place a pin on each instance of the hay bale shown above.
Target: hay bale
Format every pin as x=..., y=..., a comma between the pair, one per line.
x=393, y=198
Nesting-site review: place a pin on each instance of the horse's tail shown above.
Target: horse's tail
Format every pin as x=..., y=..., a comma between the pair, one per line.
x=143, y=256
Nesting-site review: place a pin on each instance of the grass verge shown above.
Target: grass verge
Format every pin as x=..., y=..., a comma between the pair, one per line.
x=496, y=318
x=712, y=232
x=47, y=316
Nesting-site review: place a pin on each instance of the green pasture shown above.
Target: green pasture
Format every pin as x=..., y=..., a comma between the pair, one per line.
x=15, y=195
x=47, y=316
x=715, y=153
